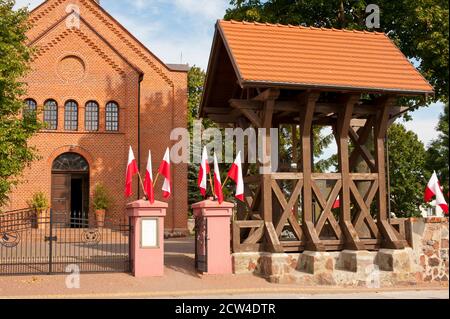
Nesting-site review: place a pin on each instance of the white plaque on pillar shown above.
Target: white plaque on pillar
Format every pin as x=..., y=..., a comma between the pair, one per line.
x=150, y=233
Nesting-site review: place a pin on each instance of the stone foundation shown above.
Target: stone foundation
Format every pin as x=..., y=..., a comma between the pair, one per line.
x=429, y=240
x=425, y=261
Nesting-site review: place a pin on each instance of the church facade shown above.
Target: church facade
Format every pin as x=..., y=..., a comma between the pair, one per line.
x=98, y=90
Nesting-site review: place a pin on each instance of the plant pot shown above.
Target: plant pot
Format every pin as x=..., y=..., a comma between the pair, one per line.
x=42, y=219
x=100, y=217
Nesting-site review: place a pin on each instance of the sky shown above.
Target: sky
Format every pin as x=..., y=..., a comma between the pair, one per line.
x=181, y=31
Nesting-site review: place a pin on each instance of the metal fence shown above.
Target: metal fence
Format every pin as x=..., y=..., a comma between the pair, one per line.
x=51, y=242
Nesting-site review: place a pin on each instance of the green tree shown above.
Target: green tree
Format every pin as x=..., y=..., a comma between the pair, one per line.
x=407, y=161
x=15, y=131
x=420, y=28
x=437, y=153
x=196, y=81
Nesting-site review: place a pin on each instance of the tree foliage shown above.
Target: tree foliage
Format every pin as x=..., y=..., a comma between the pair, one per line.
x=420, y=28
x=15, y=131
x=196, y=80
x=437, y=153
x=408, y=176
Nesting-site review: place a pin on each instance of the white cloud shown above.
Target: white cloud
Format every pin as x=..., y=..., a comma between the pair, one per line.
x=424, y=128
x=144, y=6
x=170, y=50
x=136, y=27
x=210, y=9
x=176, y=31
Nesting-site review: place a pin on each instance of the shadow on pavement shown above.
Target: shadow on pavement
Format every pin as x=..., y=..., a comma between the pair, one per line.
x=180, y=256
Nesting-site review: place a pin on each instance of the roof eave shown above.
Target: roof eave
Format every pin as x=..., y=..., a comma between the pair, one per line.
x=300, y=86
x=209, y=74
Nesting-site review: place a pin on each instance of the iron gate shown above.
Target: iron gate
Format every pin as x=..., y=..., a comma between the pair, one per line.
x=50, y=242
x=201, y=244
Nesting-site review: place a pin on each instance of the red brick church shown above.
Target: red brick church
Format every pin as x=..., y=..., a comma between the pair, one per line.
x=98, y=90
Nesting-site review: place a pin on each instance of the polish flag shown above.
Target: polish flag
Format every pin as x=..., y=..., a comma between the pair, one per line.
x=434, y=189
x=132, y=170
x=164, y=170
x=148, y=181
x=217, y=182
x=235, y=174
x=203, y=173
x=337, y=203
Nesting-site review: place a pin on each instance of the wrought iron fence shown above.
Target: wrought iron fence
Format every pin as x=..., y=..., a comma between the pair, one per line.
x=48, y=242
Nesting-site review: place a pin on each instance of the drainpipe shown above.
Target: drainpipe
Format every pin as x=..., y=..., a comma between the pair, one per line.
x=173, y=171
x=141, y=78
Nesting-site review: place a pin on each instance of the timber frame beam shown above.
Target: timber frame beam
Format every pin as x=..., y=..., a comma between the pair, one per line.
x=268, y=210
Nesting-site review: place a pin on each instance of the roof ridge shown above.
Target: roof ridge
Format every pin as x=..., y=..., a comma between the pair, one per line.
x=244, y=22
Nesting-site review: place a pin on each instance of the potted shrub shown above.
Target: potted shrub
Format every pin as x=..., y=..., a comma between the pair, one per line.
x=39, y=203
x=101, y=202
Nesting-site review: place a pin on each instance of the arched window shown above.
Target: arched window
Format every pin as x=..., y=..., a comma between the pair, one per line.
x=30, y=107
x=51, y=115
x=71, y=116
x=112, y=116
x=91, y=116
x=70, y=162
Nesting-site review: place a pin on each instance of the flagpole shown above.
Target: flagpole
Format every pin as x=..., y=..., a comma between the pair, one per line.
x=226, y=181
x=156, y=179
x=142, y=185
x=212, y=186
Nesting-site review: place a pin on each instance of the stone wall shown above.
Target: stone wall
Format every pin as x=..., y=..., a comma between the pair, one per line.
x=429, y=239
x=425, y=261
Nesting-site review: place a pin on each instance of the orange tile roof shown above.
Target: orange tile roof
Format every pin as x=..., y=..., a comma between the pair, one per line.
x=318, y=57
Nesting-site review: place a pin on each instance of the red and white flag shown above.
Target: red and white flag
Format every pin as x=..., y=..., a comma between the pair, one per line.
x=148, y=181
x=164, y=170
x=203, y=173
x=434, y=189
x=337, y=203
x=132, y=170
x=217, y=181
x=235, y=174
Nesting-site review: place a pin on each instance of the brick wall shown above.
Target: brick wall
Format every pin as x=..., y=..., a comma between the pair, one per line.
x=101, y=61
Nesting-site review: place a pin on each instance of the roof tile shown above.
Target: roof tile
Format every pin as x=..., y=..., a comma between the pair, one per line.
x=311, y=56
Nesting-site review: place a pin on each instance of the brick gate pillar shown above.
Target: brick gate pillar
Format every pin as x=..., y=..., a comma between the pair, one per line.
x=147, y=238
x=214, y=236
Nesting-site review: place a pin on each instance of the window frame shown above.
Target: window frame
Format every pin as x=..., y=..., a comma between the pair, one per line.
x=27, y=111
x=70, y=162
x=71, y=124
x=112, y=118
x=53, y=116
x=92, y=123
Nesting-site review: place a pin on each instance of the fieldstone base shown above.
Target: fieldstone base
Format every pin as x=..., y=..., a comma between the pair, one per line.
x=347, y=268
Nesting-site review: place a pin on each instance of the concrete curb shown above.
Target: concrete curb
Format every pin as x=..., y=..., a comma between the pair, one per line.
x=213, y=292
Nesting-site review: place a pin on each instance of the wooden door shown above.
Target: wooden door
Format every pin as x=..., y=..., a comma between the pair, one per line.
x=61, y=193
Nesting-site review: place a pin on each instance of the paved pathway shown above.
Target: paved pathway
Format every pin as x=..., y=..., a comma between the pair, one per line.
x=402, y=294
x=182, y=281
